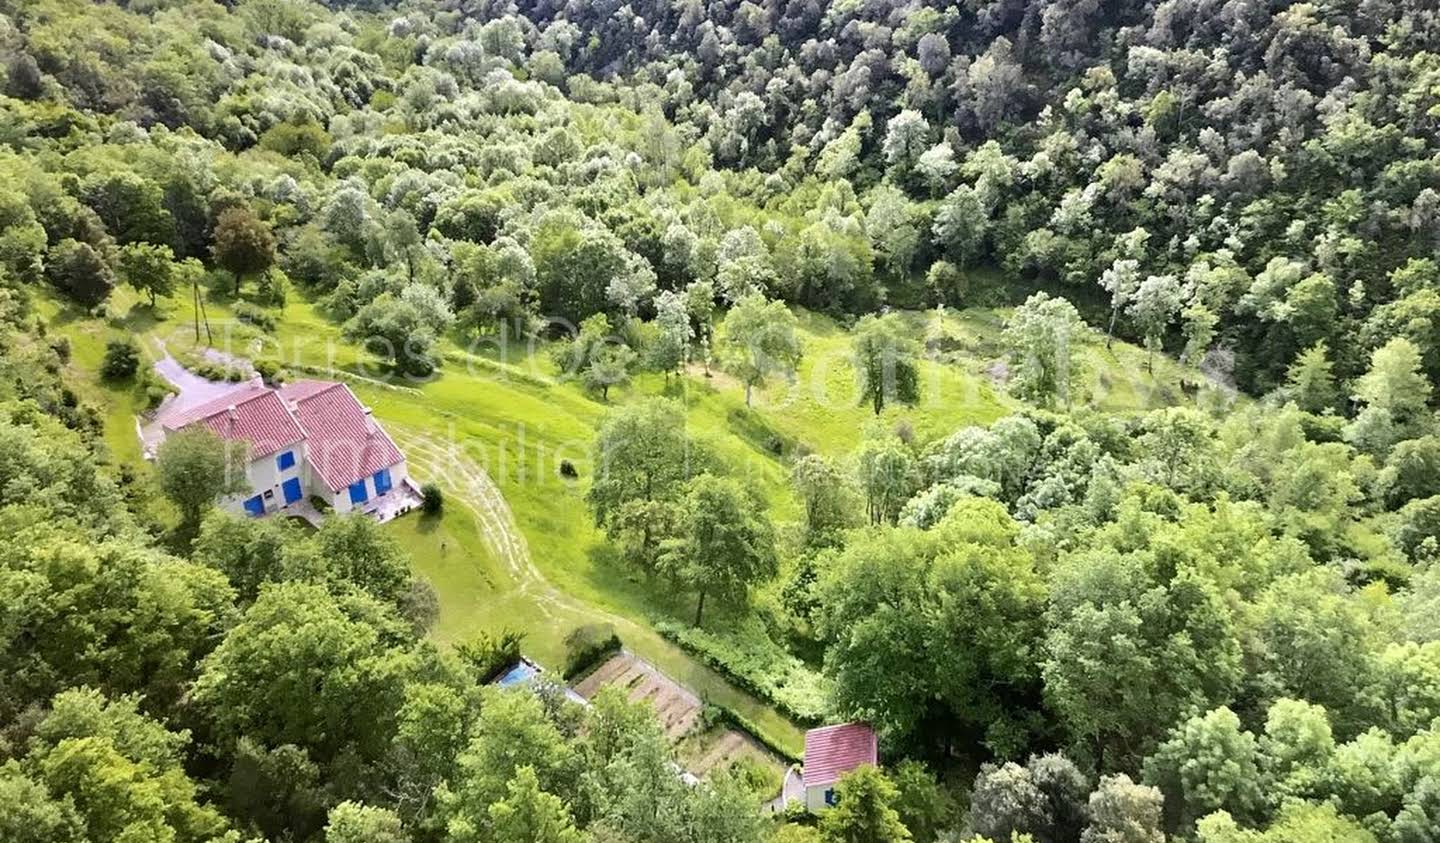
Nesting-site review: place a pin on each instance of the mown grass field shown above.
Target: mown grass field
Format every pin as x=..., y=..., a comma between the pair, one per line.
x=502, y=407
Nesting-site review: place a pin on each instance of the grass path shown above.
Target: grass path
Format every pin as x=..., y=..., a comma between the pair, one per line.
x=469, y=485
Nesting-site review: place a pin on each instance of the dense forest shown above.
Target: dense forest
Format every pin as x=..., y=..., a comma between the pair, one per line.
x=1214, y=619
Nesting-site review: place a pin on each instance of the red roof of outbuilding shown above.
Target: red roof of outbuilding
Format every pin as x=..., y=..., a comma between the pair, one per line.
x=832, y=751
x=343, y=443
x=252, y=414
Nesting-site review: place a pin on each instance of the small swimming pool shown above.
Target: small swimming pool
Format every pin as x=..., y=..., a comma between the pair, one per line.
x=522, y=672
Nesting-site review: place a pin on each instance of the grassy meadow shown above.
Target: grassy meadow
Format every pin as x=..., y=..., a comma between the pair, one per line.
x=502, y=408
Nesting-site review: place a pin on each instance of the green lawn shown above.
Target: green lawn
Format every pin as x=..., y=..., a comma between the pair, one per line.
x=503, y=409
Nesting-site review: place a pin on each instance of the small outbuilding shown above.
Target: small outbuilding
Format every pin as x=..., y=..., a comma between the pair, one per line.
x=831, y=752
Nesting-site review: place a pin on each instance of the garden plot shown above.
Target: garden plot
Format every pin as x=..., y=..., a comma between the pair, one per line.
x=680, y=713
x=678, y=709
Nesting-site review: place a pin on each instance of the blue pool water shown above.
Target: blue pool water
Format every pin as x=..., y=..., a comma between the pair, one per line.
x=522, y=672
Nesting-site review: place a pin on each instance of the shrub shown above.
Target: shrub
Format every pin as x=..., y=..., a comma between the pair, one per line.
x=155, y=394
x=488, y=654
x=420, y=605
x=249, y=313
x=432, y=500
x=588, y=646
x=567, y=470
x=270, y=370
x=759, y=778
x=321, y=505
x=122, y=360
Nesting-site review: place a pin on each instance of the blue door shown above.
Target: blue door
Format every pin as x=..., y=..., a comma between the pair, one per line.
x=382, y=481
x=255, y=507
x=291, y=489
x=357, y=492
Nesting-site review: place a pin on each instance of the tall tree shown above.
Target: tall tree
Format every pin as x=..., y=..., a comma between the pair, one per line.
x=1043, y=336
x=760, y=340
x=642, y=453
x=886, y=362
x=725, y=544
x=148, y=268
x=1122, y=811
x=1208, y=764
x=81, y=271
x=242, y=243
x=674, y=333
x=195, y=468
x=827, y=493
x=304, y=667
x=609, y=367
x=530, y=815
x=1156, y=302
x=352, y=822
x=1310, y=381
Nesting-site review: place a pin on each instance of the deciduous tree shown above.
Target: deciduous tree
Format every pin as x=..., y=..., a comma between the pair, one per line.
x=760, y=340
x=886, y=362
x=724, y=545
x=242, y=244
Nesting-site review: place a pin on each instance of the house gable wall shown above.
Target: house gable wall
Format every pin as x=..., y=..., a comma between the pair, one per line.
x=264, y=475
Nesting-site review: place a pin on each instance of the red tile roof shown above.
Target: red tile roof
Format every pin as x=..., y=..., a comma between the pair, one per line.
x=343, y=443
x=832, y=751
x=252, y=414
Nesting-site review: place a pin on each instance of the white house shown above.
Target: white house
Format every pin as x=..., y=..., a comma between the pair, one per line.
x=306, y=439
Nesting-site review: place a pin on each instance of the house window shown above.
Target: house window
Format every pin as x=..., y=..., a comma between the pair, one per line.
x=255, y=507
x=269, y=493
x=357, y=492
x=382, y=481
x=286, y=460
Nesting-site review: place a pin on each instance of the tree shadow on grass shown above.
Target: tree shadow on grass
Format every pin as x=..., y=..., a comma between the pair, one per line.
x=139, y=319
x=429, y=522
x=654, y=595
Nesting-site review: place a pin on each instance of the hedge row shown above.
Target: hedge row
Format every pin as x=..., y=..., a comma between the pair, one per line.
x=776, y=677
x=724, y=715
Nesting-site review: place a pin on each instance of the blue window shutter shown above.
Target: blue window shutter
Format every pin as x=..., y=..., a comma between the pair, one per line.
x=255, y=507
x=285, y=460
x=357, y=491
x=382, y=481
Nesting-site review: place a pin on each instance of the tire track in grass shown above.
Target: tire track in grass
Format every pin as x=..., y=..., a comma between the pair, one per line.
x=476, y=490
x=472, y=487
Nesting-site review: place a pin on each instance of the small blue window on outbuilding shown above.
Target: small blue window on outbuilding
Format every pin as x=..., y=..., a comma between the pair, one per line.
x=382, y=481
x=255, y=507
x=357, y=492
x=286, y=460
